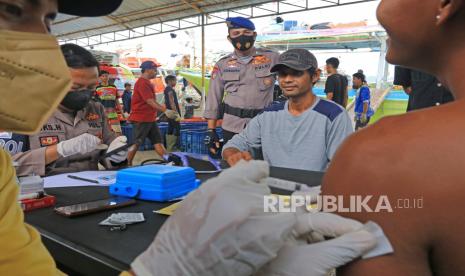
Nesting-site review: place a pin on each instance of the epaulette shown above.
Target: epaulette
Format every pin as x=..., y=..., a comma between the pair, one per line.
x=225, y=57
x=264, y=50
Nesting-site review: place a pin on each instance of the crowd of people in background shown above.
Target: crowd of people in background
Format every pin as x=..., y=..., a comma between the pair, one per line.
x=241, y=93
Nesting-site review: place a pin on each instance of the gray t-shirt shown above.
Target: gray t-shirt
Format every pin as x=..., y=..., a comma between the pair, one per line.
x=306, y=142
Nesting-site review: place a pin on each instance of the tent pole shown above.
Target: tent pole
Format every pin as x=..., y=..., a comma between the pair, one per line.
x=203, y=62
x=382, y=65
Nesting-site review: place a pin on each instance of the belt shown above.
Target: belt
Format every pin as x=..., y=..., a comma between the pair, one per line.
x=241, y=112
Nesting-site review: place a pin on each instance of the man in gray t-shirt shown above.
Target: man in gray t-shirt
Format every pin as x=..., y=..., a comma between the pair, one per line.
x=301, y=133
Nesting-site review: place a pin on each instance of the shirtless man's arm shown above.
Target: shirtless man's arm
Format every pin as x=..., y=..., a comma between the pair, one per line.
x=428, y=240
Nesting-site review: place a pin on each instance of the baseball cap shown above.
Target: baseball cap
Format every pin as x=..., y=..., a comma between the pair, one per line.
x=297, y=59
x=240, y=22
x=148, y=64
x=88, y=7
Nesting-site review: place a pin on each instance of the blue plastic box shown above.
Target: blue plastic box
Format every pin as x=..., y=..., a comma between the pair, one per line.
x=155, y=182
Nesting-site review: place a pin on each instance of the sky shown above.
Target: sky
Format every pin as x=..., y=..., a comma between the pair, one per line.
x=163, y=47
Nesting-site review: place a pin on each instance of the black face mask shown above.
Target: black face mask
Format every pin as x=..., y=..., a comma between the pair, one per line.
x=243, y=42
x=77, y=100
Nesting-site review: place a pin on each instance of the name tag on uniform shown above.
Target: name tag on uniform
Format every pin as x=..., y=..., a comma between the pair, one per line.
x=232, y=70
x=262, y=67
x=52, y=128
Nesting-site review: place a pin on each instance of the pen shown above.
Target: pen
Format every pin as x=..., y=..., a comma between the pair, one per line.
x=83, y=179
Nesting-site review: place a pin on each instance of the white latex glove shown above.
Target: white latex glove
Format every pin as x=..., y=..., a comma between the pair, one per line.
x=220, y=229
x=121, y=155
x=171, y=114
x=318, y=259
x=81, y=144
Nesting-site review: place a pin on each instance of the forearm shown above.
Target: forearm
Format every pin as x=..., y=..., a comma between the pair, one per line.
x=31, y=162
x=156, y=105
x=365, y=108
x=173, y=106
x=229, y=152
x=407, y=89
x=212, y=124
x=51, y=154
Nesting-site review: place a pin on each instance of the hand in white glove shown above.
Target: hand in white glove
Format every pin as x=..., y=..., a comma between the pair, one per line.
x=318, y=259
x=171, y=114
x=121, y=155
x=81, y=144
x=220, y=229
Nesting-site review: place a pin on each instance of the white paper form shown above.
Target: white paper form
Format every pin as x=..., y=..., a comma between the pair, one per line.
x=105, y=178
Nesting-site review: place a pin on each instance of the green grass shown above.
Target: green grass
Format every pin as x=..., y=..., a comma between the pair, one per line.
x=389, y=107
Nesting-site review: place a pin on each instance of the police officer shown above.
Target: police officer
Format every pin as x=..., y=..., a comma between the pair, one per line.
x=245, y=77
x=70, y=140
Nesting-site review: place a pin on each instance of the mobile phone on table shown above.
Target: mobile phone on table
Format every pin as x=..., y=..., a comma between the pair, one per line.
x=94, y=206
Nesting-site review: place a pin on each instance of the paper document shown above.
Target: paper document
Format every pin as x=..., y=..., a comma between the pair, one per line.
x=123, y=218
x=104, y=178
x=168, y=211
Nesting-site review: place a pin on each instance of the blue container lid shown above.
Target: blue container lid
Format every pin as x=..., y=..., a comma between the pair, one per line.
x=155, y=182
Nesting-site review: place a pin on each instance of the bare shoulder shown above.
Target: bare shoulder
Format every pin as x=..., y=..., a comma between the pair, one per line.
x=407, y=162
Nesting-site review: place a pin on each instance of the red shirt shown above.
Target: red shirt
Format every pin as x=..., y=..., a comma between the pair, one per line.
x=140, y=110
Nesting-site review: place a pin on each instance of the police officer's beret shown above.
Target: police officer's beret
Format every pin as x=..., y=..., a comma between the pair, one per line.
x=240, y=22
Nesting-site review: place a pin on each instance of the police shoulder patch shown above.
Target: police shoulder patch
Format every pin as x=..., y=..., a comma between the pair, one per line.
x=215, y=72
x=92, y=117
x=225, y=57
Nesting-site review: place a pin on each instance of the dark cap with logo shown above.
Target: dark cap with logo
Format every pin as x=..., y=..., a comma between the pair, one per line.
x=88, y=7
x=148, y=64
x=297, y=59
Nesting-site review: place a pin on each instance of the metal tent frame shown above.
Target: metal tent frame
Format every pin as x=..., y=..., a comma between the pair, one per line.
x=209, y=13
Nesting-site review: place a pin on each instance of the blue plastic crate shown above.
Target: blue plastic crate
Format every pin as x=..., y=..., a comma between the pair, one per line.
x=127, y=131
x=194, y=125
x=193, y=140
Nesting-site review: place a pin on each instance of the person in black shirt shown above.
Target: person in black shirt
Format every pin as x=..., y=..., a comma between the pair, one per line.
x=127, y=94
x=171, y=102
x=336, y=84
x=424, y=90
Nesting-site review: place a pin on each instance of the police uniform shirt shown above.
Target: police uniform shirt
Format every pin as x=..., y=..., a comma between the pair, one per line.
x=244, y=84
x=60, y=127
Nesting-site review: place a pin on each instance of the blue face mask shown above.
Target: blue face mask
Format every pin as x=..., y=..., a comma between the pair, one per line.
x=77, y=100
